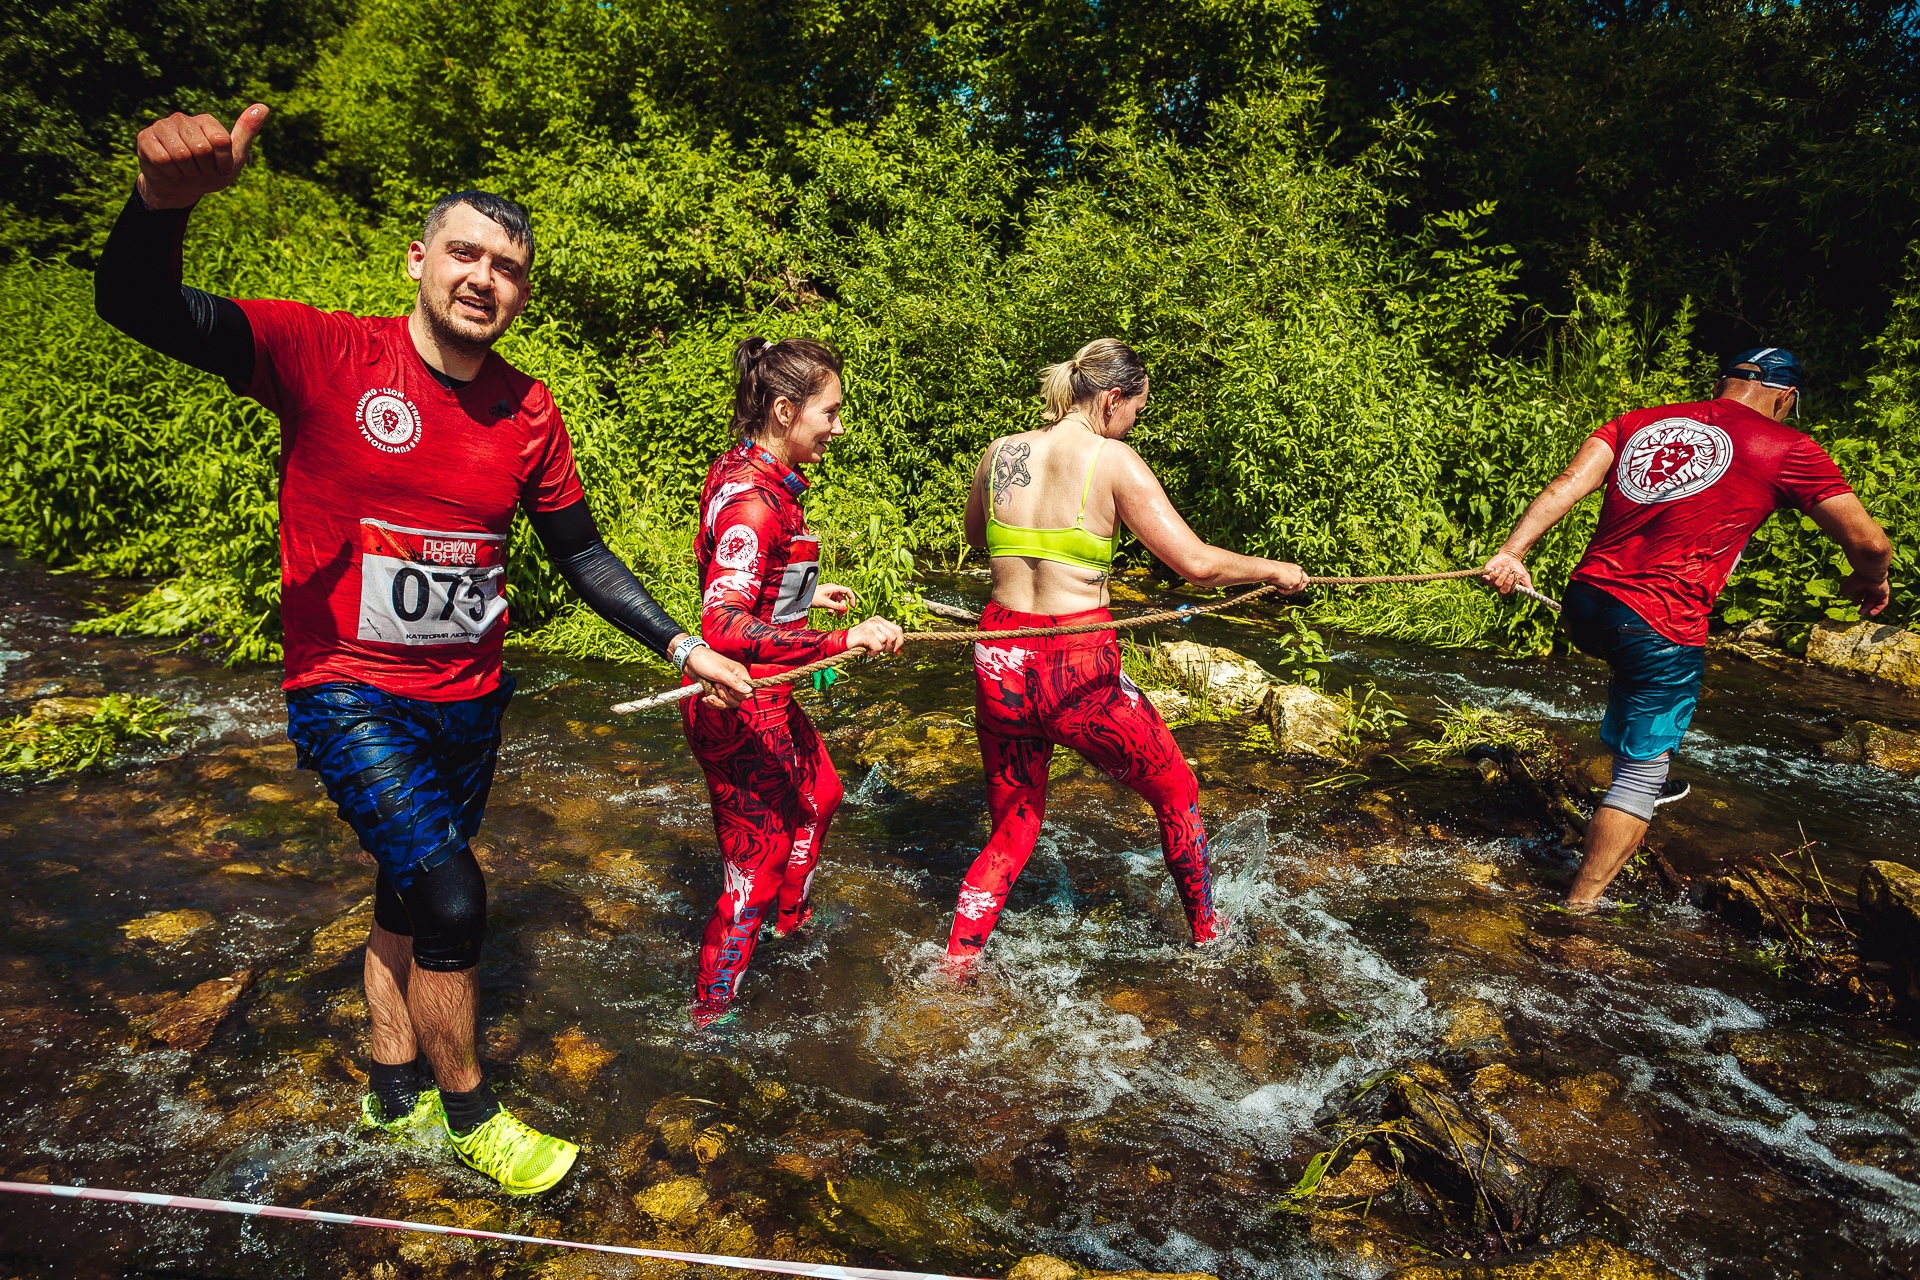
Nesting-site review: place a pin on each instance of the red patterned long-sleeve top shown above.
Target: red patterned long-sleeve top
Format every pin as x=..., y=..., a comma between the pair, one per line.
x=759, y=564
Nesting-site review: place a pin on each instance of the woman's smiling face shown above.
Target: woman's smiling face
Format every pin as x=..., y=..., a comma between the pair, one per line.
x=808, y=432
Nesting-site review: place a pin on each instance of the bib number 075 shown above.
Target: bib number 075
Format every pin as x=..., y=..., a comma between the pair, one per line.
x=421, y=587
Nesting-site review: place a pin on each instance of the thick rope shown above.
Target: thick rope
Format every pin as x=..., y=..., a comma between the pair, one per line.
x=1182, y=614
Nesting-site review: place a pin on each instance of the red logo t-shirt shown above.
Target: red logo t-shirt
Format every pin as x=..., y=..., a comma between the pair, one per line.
x=1689, y=485
x=396, y=496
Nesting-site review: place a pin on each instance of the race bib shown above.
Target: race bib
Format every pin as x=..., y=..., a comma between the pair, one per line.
x=798, y=580
x=422, y=587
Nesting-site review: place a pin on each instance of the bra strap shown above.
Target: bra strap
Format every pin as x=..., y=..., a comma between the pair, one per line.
x=1087, y=488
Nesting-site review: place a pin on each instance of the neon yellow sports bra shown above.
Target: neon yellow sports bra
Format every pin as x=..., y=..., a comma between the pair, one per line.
x=1072, y=545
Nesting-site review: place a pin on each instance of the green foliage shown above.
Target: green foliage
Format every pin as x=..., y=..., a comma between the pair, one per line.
x=54, y=747
x=953, y=193
x=1467, y=725
x=1371, y=716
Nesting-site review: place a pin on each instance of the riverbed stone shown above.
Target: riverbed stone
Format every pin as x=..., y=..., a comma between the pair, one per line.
x=167, y=928
x=675, y=1202
x=1305, y=722
x=924, y=755
x=1583, y=1260
x=1041, y=1266
x=64, y=710
x=189, y=1022
x=342, y=935
x=1889, y=896
x=1173, y=705
x=578, y=1057
x=1865, y=742
x=1868, y=649
x=1229, y=680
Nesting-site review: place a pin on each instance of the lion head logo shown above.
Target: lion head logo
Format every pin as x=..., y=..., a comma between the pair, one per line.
x=388, y=420
x=1673, y=458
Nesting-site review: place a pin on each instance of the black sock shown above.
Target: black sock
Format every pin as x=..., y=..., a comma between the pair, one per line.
x=468, y=1111
x=396, y=1085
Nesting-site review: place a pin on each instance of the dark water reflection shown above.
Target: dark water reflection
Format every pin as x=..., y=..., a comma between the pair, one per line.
x=1101, y=1093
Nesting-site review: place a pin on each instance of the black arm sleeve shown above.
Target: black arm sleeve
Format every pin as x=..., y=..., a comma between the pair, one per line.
x=572, y=541
x=137, y=290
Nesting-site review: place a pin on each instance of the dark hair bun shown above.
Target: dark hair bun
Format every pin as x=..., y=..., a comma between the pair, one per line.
x=748, y=354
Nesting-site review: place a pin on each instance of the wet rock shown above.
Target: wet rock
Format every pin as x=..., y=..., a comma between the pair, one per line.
x=241, y=869
x=711, y=1143
x=1476, y=1031
x=1043, y=1266
x=1303, y=721
x=343, y=935
x=1867, y=648
x=23, y=690
x=1868, y=743
x=167, y=928
x=924, y=755
x=1586, y=1260
x=1889, y=896
x=673, y=1203
x=609, y=918
x=1362, y=1178
x=274, y=793
x=1365, y=1238
x=578, y=1058
x=189, y=1022
x=1762, y=631
x=1227, y=679
x=64, y=710
x=1578, y=951
x=1172, y=704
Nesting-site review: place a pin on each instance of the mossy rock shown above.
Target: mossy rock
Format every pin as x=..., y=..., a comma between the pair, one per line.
x=924, y=755
x=1585, y=1260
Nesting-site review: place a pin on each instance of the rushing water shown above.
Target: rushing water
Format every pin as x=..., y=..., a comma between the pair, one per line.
x=1100, y=1092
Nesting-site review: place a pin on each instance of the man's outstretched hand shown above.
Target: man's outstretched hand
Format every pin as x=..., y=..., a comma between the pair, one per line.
x=185, y=157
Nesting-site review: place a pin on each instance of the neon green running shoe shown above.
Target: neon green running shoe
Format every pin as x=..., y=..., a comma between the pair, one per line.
x=521, y=1159
x=426, y=1109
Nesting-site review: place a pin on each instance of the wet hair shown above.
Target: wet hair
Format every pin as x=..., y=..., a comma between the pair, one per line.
x=1102, y=365
x=511, y=217
x=796, y=368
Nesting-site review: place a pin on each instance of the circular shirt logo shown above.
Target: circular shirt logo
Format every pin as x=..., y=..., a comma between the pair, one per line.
x=388, y=420
x=737, y=548
x=1673, y=458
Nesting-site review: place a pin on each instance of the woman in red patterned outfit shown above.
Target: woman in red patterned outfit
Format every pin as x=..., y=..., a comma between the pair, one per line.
x=1069, y=690
x=773, y=788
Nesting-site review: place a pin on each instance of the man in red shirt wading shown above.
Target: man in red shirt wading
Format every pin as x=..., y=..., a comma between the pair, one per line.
x=406, y=447
x=1687, y=484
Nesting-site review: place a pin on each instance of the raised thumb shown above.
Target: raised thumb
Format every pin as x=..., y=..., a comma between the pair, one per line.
x=244, y=131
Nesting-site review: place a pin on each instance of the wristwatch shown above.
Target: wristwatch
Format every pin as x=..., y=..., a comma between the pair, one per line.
x=683, y=649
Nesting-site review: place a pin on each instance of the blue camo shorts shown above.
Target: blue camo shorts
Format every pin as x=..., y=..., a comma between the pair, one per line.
x=409, y=776
x=1656, y=681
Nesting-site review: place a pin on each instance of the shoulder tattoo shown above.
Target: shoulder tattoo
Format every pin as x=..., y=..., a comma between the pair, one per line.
x=1009, y=470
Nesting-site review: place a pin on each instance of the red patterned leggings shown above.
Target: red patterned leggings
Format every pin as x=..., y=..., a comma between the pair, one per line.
x=1069, y=690
x=774, y=791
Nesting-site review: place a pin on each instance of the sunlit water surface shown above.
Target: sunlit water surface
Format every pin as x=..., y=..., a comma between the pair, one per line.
x=1101, y=1092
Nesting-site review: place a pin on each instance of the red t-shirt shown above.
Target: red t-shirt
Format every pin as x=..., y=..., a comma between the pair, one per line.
x=1689, y=485
x=396, y=496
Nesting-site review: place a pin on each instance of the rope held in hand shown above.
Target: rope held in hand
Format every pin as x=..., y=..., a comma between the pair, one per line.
x=1181, y=614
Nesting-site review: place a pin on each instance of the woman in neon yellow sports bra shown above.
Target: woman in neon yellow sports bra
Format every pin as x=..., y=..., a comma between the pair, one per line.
x=1047, y=507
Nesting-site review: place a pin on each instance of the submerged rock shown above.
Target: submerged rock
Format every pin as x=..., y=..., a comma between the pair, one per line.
x=1868, y=649
x=1868, y=743
x=1586, y=1260
x=1889, y=895
x=675, y=1202
x=166, y=928
x=578, y=1058
x=1041, y=1266
x=1304, y=721
x=344, y=934
x=189, y=1022
x=925, y=754
x=64, y=710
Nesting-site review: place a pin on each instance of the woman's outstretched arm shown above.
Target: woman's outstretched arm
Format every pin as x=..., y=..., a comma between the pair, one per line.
x=1145, y=508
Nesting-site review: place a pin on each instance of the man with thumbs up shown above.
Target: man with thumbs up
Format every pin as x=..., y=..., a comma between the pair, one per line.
x=407, y=445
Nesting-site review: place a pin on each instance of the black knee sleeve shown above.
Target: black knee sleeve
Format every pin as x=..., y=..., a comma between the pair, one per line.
x=389, y=912
x=446, y=910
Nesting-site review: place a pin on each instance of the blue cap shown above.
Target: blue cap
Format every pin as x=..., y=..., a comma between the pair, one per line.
x=1777, y=367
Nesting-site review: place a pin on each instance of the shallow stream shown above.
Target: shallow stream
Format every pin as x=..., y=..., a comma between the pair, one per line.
x=1101, y=1093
